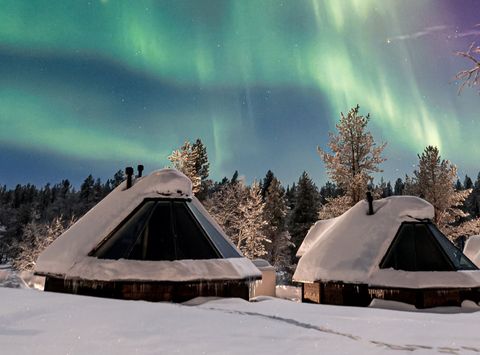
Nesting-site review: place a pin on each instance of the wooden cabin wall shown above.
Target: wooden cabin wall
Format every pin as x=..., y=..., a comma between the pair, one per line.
x=339, y=293
x=154, y=291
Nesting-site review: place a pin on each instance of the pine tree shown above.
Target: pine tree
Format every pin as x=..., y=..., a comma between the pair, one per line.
x=467, y=183
x=399, y=187
x=224, y=207
x=86, y=189
x=434, y=181
x=118, y=178
x=389, y=191
x=306, y=209
x=329, y=191
x=355, y=155
x=239, y=210
x=279, y=250
x=267, y=180
x=192, y=160
x=251, y=234
x=458, y=185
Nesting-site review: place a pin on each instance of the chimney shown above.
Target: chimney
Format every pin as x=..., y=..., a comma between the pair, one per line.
x=370, y=203
x=129, y=173
x=140, y=170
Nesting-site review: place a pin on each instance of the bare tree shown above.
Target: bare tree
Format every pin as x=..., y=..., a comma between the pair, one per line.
x=470, y=77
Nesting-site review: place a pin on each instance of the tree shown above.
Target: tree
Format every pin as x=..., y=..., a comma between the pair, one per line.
x=267, y=180
x=118, y=178
x=305, y=213
x=467, y=183
x=470, y=77
x=239, y=210
x=279, y=250
x=435, y=181
x=329, y=191
x=36, y=238
x=355, y=155
x=399, y=187
x=192, y=160
x=251, y=231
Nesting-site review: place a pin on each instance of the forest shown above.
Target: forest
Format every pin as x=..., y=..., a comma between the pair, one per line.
x=265, y=219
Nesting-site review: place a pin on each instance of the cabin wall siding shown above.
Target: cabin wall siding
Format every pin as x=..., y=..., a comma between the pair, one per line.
x=154, y=291
x=347, y=294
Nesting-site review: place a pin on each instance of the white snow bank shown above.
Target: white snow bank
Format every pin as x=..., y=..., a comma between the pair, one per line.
x=68, y=256
x=52, y=323
x=472, y=249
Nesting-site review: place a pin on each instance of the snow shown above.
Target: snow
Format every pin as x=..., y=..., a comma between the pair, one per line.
x=51, y=323
x=314, y=234
x=351, y=247
x=472, y=249
x=68, y=255
x=177, y=270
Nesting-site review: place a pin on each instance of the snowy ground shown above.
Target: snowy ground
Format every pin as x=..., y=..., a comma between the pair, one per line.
x=49, y=323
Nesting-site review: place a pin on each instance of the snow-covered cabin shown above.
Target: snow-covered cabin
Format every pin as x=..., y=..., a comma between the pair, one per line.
x=153, y=241
x=395, y=254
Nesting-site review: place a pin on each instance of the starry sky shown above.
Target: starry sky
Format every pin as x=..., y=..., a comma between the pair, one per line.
x=94, y=86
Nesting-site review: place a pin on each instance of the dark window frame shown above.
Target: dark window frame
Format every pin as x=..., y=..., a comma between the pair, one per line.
x=429, y=225
x=171, y=201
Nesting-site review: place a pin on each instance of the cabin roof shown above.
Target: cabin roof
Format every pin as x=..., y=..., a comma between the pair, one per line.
x=351, y=247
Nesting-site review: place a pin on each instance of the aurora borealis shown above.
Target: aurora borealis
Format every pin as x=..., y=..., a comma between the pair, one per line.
x=93, y=86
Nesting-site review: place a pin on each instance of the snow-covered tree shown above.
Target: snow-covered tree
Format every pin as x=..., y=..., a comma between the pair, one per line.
x=334, y=207
x=36, y=238
x=252, y=238
x=465, y=229
x=435, y=182
x=240, y=212
x=192, y=160
x=354, y=155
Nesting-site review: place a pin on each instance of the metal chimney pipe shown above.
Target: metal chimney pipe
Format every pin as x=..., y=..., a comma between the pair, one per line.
x=140, y=170
x=370, y=203
x=129, y=173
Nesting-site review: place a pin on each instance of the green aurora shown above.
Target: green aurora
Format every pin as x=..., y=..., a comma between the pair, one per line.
x=210, y=67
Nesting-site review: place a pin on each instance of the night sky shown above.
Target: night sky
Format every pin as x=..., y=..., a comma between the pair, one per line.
x=94, y=86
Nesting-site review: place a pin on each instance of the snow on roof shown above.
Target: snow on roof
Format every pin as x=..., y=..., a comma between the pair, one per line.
x=349, y=248
x=68, y=256
x=314, y=233
x=472, y=249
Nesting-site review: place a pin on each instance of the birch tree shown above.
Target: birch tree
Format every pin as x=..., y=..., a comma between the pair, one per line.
x=354, y=155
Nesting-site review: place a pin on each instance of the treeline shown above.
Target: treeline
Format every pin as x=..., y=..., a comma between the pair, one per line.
x=265, y=219
x=40, y=207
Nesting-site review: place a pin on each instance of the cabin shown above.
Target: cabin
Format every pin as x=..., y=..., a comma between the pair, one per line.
x=149, y=239
x=386, y=249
